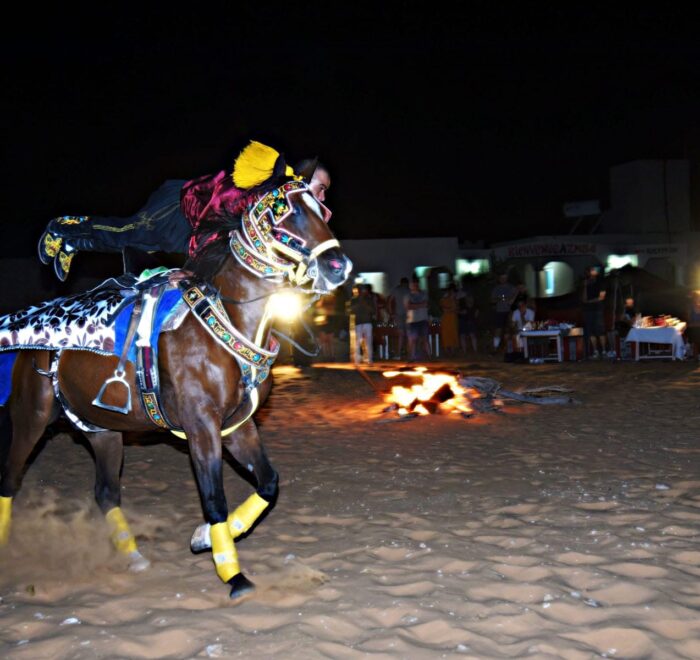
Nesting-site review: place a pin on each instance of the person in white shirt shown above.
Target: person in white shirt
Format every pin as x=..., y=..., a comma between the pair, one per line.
x=520, y=318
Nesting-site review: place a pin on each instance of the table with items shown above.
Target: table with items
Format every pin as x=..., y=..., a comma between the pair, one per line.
x=657, y=338
x=549, y=334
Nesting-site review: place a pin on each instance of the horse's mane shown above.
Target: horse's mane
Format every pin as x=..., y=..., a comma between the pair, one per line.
x=211, y=238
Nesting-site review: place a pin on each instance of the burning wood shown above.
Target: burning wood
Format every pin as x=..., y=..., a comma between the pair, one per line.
x=417, y=392
x=423, y=393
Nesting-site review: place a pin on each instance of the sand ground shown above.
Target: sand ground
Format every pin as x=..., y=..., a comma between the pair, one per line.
x=544, y=532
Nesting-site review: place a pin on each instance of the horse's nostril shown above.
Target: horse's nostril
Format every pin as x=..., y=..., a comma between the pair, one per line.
x=335, y=264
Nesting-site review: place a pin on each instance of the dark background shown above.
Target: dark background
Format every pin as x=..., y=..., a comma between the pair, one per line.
x=478, y=122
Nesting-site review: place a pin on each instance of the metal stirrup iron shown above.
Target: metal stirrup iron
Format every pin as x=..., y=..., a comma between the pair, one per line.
x=119, y=372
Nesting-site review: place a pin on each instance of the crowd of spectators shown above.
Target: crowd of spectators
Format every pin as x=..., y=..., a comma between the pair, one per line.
x=448, y=317
x=408, y=324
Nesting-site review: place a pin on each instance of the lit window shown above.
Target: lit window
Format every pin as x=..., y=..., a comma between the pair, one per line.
x=549, y=281
x=616, y=261
x=472, y=266
x=378, y=281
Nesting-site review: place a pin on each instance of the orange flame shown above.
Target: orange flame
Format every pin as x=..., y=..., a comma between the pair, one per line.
x=408, y=399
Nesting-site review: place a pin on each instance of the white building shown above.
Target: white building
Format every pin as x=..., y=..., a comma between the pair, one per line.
x=648, y=225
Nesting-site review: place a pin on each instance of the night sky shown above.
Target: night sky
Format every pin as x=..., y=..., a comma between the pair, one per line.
x=478, y=122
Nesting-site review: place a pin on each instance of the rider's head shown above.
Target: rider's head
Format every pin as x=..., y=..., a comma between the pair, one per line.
x=320, y=180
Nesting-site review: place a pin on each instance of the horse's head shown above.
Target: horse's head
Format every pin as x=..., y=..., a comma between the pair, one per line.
x=285, y=233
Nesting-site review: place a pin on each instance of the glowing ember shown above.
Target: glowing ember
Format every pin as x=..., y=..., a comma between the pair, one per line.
x=428, y=392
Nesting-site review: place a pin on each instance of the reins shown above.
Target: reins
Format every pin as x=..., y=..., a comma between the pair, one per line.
x=298, y=346
x=278, y=333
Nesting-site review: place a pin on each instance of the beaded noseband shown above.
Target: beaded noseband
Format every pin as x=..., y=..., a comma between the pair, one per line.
x=269, y=251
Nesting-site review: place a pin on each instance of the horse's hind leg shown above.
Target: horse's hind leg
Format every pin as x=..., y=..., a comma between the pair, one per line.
x=108, y=448
x=31, y=410
x=245, y=446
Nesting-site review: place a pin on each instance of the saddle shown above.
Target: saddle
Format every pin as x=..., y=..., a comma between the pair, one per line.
x=138, y=323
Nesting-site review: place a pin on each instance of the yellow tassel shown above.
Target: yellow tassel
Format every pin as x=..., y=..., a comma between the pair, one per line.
x=254, y=165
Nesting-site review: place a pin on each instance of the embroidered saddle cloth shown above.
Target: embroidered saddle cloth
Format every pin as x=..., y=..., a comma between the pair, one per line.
x=96, y=320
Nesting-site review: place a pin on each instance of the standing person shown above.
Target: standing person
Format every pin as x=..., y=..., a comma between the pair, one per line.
x=467, y=318
x=376, y=302
x=397, y=311
x=363, y=310
x=592, y=298
x=377, y=316
x=449, y=337
x=324, y=320
x=522, y=295
x=502, y=297
x=175, y=210
x=417, y=321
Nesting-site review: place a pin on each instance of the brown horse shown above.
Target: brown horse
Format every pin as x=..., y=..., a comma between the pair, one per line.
x=282, y=241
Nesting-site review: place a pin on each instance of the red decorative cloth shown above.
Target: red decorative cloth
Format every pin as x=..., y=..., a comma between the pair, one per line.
x=208, y=201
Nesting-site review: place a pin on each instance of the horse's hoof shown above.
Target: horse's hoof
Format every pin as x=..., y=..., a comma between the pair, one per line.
x=137, y=562
x=201, y=539
x=240, y=586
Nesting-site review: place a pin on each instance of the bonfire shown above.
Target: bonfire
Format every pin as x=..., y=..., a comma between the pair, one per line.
x=417, y=391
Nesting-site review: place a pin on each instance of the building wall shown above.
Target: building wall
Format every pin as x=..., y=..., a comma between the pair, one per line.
x=649, y=196
x=398, y=257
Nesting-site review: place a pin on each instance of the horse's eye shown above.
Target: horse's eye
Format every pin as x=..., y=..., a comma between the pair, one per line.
x=295, y=209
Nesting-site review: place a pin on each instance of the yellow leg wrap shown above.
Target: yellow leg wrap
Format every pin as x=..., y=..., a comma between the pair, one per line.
x=242, y=519
x=119, y=531
x=5, y=519
x=224, y=552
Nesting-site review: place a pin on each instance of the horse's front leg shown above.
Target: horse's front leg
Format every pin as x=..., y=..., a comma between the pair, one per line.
x=204, y=438
x=108, y=448
x=245, y=446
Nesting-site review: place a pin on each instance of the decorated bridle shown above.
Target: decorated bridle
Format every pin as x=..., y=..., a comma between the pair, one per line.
x=267, y=250
x=264, y=248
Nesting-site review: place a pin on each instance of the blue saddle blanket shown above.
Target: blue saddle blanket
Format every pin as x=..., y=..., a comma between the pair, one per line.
x=166, y=307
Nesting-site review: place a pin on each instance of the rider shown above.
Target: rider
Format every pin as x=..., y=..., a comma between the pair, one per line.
x=170, y=216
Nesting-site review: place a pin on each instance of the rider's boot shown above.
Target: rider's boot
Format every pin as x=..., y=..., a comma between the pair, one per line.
x=66, y=235
x=57, y=231
x=49, y=246
x=69, y=248
x=63, y=260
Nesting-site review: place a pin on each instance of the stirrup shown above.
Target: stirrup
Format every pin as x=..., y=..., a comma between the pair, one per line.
x=117, y=378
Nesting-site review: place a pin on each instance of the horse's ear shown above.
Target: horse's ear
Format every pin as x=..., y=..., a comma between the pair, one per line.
x=280, y=169
x=306, y=168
